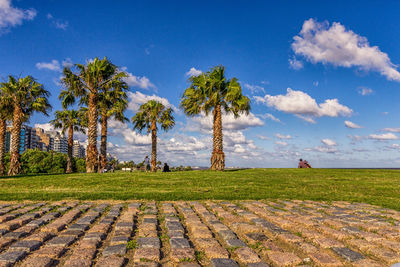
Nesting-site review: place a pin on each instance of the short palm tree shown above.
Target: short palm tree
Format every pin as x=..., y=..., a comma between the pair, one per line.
x=6, y=112
x=212, y=92
x=27, y=96
x=71, y=121
x=149, y=114
x=113, y=102
x=86, y=84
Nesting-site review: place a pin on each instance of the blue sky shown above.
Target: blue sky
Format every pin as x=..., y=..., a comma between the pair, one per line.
x=339, y=60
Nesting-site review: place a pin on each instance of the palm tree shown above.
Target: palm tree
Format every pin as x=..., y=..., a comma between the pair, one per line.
x=6, y=111
x=27, y=96
x=69, y=120
x=211, y=91
x=148, y=116
x=86, y=84
x=113, y=101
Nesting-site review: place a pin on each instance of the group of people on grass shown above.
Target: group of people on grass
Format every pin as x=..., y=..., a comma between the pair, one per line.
x=147, y=165
x=303, y=164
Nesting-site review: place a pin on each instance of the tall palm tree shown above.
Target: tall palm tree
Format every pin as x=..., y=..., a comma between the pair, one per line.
x=69, y=120
x=113, y=101
x=86, y=84
x=148, y=116
x=6, y=112
x=27, y=96
x=212, y=92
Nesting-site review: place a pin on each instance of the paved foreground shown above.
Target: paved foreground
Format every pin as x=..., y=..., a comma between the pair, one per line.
x=219, y=234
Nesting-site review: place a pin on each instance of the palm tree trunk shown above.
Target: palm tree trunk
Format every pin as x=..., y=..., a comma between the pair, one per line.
x=2, y=140
x=103, y=142
x=70, y=145
x=218, y=156
x=91, y=153
x=154, y=146
x=15, y=164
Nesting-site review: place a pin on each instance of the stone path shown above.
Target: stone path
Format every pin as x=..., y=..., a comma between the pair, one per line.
x=190, y=234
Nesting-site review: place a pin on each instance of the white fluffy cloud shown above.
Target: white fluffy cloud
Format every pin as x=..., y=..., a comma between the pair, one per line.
x=304, y=106
x=295, y=64
x=362, y=90
x=130, y=136
x=193, y=72
x=229, y=122
x=254, y=88
x=323, y=149
x=282, y=136
x=281, y=143
x=392, y=130
x=352, y=125
x=328, y=142
x=54, y=65
x=137, y=81
x=263, y=137
x=11, y=16
x=383, y=137
x=137, y=98
x=321, y=43
x=269, y=116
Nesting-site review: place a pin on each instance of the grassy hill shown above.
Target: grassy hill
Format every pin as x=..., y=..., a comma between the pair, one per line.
x=380, y=187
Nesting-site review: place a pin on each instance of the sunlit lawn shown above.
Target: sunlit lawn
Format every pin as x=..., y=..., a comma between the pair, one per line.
x=381, y=187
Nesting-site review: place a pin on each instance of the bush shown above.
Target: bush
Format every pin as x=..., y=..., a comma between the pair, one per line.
x=34, y=161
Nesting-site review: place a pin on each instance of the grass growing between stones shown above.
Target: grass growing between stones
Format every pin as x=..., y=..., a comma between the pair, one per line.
x=380, y=187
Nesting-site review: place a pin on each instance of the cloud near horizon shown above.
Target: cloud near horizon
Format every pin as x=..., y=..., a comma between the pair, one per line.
x=319, y=42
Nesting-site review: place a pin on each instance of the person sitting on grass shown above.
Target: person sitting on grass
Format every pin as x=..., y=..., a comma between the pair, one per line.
x=166, y=168
x=303, y=164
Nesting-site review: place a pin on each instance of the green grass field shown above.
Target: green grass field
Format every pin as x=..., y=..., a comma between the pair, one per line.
x=380, y=187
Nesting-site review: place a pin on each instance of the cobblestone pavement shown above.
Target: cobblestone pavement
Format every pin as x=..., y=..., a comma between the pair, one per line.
x=190, y=234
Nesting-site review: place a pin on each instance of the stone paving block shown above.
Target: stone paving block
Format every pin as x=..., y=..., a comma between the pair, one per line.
x=283, y=258
x=324, y=259
x=150, y=220
x=26, y=245
x=78, y=226
x=179, y=243
x=146, y=254
x=348, y=254
x=203, y=243
x=148, y=242
x=223, y=263
x=258, y=264
x=257, y=237
x=386, y=255
x=235, y=243
x=72, y=232
x=328, y=242
x=77, y=263
x=115, y=250
x=111, y=261
x=11, y=257
x=50, y=251
x=38, y=262
x=369, y=263
x=83, y=253
x=64, y=241
x=175, y=234
x=246, y=255
x=227, y=234
x=216, y=252
x=94, y=236
x=119, y=240
x=15, y=235
x=40, y=236
x=182, y=254
x=89, y=243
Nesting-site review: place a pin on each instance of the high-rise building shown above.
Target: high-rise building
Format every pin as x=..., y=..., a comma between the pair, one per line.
x=45, y=139
x=78, y=151
x=60, y=144
x=24, y=140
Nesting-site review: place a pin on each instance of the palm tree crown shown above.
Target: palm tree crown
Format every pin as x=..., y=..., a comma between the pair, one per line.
x=87, y=84
x=27, y=96
x=148, y=116
x=212, y=92
x=6, y=112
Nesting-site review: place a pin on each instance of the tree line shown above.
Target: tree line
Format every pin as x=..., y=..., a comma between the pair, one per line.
x=99, y=91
